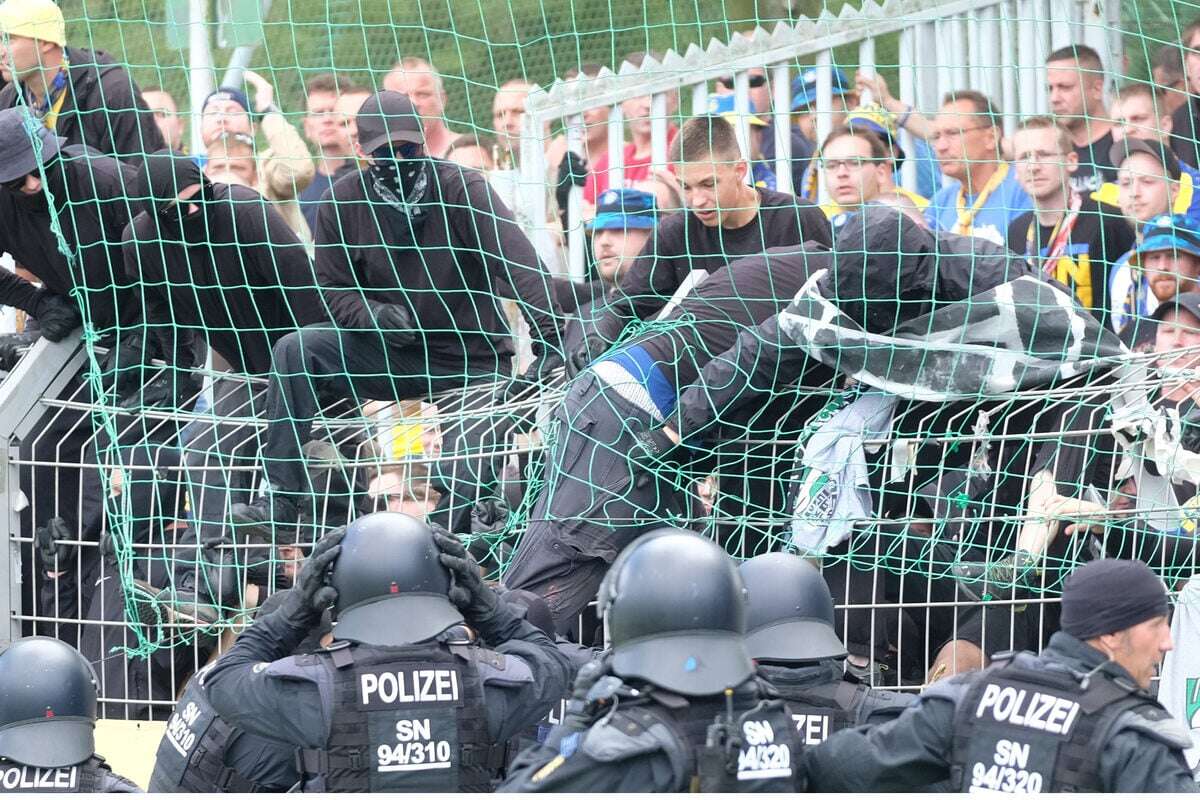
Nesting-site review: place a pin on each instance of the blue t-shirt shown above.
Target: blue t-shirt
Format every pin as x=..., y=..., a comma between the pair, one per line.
x=991, y=222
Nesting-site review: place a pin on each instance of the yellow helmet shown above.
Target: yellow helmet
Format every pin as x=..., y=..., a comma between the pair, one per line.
x=35, y=19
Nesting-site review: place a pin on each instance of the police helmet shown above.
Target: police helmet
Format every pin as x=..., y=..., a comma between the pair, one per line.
x=791, y=610
x=47, y=703
x=392, y=590
x=676, y=613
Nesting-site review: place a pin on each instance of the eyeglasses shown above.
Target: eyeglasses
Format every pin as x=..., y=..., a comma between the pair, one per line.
x=1042, y=157
x=851, y=164
x=954, y=133
x=756, y=81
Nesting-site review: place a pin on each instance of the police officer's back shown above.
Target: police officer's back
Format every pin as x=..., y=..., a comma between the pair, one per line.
x=790, y=635
x=406, y=698
x=675, y=707
x=201, y=753
x=48, y=721
x=1077, y=717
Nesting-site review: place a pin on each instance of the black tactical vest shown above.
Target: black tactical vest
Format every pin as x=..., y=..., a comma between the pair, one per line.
x=83, y=778
x=405, y=719
x=752, y=749
x=821, y=710
x=1020, y=730
x=191, y=755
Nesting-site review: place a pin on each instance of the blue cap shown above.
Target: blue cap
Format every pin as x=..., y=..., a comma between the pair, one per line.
x=722, y=105
x=228, y=93
x=1171, y=232
x=804, y=87
x=621, y=209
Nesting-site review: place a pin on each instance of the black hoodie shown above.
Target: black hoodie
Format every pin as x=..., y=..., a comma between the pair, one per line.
x=90, y=194
x=103, y=108
x=233, y=272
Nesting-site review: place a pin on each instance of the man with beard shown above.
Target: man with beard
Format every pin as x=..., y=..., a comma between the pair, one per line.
x=218, y=264
x=414, y=255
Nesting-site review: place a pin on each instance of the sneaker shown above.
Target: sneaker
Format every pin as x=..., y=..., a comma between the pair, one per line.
x=165, y=614
x=1006, y=573
x=264, y=514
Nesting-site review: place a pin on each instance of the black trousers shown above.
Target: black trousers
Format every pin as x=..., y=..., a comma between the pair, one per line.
x=321, y=361
x=593, y=503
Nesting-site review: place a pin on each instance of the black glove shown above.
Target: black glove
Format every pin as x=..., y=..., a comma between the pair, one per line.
x=578, y=714
x=13, y=346
x=572, y=172
x=171, y=389
x=588, y=351
x=122, y=367
x=57, y=316
x=651, y=449
x=396, y=321
x=477, y=601
x=51, y=544
x=542, y=372
x=312, y=594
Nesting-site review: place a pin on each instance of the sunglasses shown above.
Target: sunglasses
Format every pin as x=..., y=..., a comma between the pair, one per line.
x=394, y=150
x=756, y=81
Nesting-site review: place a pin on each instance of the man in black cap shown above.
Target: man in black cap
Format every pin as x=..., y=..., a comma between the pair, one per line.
x=407, y=697
x=48, y=722
x=725, y=219
x=1076, y=718
x=676, y=706
x=217, y=265
x=414, y=255
x=790, y=635
x=44, y=183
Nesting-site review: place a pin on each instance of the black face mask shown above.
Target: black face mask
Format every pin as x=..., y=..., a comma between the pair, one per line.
x=162, y=177
x=402, y=178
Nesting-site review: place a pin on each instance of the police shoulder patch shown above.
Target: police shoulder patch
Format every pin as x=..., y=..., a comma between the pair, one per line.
x=1155, y=723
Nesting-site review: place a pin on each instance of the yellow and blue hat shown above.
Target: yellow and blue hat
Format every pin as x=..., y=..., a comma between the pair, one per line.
x=621, y=209
x=804, y=87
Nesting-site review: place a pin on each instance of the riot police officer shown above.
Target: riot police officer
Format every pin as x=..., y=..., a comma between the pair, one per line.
x=790, y=634
x=1077, y=717
x=407, y=697
x=48, y=721
x=201, y=753
x=675, y=707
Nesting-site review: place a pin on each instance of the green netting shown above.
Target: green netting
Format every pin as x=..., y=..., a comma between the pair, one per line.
x=963, y=496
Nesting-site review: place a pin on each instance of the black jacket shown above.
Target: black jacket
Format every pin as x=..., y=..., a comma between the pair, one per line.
x=450, y=273
x=103, y=108
x=90, y=205
x=243, y=285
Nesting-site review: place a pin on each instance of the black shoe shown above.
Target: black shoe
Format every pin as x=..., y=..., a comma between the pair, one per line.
x=263, y=515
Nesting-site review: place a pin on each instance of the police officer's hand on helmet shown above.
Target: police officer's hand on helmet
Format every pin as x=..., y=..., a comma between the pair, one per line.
x=312, y=593
x=477, y=601
x=57, y=316
x=396, y=321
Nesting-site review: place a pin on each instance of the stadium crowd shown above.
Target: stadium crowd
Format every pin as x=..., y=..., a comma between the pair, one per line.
x=371, y=263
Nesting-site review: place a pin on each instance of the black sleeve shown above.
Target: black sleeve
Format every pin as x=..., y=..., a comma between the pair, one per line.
x=512, y=707
x=1018, y=233
x=281, y=260
x=510, y=256
x=130, y=123
x=177, y=345
x=814, y=225
x=335, y=270
x=17, y=292
x=1117, y=239
x=760, y=364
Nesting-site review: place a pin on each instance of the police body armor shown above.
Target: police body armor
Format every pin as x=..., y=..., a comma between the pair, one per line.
x=742, y=743
x=191, y=755
x=821, y=710
x=405, y=719
x=1021, y=730
x=85, y=778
